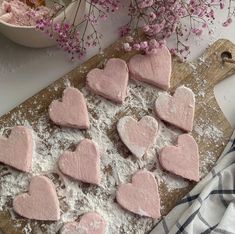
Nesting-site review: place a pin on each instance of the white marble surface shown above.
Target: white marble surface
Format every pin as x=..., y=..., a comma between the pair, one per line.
x=25, y=71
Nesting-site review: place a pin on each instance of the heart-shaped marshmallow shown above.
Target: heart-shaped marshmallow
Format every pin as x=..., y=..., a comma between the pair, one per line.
x=154, y=69
x=40, y=203
x=90, y=223
x=141, y=196
x=177, y=109
x=17, y=150
x=111, y=83
x=72, y=111
x=138, y=136
x=83, y=164
x=183, y=159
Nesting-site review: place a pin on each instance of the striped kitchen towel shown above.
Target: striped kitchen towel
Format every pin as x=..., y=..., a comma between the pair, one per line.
x=210, y=206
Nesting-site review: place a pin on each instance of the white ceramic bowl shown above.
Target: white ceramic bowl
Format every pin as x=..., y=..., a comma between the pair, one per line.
x=29, y=36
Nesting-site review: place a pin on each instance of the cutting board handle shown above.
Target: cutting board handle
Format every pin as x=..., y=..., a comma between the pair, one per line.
x=212, y=64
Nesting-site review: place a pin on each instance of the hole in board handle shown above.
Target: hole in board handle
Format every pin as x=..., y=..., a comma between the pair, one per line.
x=227, y=57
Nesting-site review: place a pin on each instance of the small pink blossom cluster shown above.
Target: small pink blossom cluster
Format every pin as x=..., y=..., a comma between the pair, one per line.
x=75, y=42
x=108, y=5
x=62, y=32
x=67, y=43
x=144, y=3
x=160, y=19
x=149, y=47
x=157, y=19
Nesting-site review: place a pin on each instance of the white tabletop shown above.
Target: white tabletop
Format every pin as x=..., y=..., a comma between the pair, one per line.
x=25, y=71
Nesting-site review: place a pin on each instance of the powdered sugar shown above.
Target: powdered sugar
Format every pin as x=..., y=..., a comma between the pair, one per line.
x=209, y=131
x=117, y=164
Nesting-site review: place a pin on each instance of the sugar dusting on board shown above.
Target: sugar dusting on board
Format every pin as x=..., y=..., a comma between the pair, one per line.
x=117, y=164
x=205, y=130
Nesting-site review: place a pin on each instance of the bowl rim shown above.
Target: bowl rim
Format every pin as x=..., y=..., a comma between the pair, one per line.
x=16, y=26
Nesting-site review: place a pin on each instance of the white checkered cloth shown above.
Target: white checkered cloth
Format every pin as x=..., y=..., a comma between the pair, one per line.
x=210, y=206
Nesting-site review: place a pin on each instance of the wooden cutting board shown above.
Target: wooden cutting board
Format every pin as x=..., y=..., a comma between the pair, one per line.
x=201, y=76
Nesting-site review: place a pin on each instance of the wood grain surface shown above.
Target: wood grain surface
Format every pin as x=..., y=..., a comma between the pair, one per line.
x=201, y=76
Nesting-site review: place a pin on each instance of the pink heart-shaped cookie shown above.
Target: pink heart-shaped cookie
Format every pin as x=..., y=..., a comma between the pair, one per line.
x=138, y=136
x=141, y=196
x=17, y=150
x=40, y=203
x=72, y=111
x=177, y=109
x=90, y=223
x=154, y=69
x=183, y=159
x=82, y=164
x=111, y=83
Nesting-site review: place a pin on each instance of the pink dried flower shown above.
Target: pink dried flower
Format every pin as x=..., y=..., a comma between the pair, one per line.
x=127, y=47
x=136, y=46
x=108, y=5
x=152, y=16
x=143, y=45
x=146, y=28
x=145, y=3
x=124, y=30
x=197, y=31
x=153, y=43
x=221, y=5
